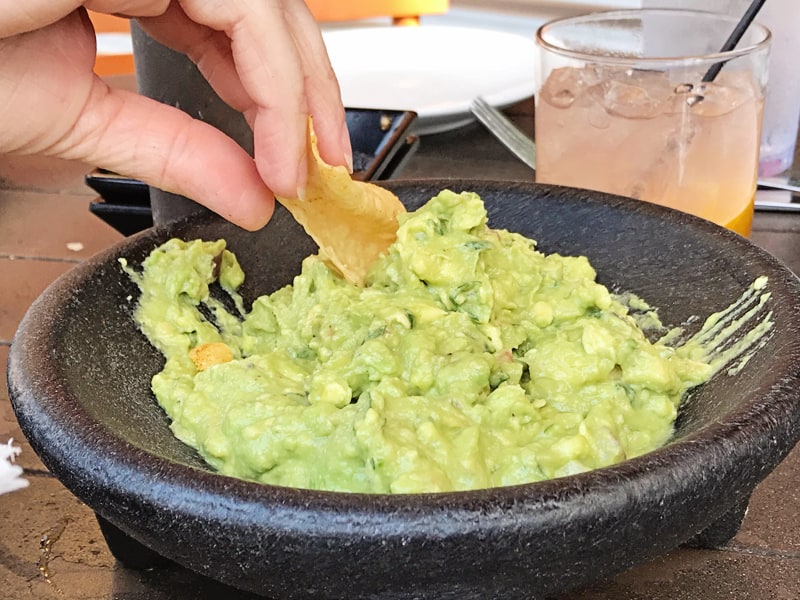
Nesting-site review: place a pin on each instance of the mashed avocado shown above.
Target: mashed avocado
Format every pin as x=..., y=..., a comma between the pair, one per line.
x=469, y=360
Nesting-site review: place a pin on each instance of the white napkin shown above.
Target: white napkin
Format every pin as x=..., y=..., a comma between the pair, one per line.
x=10, y=479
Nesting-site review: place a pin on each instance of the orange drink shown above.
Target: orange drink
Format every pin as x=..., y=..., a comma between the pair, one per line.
x=637, y=118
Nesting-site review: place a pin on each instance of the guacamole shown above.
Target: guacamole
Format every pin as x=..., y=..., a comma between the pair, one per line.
x=468, y=360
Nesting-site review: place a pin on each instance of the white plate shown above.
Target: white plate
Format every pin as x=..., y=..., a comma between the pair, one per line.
x=435, y=71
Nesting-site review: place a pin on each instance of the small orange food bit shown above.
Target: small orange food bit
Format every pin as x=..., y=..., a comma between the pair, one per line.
x=210, y=354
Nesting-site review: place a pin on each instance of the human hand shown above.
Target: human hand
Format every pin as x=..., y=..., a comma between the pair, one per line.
x=264, y=58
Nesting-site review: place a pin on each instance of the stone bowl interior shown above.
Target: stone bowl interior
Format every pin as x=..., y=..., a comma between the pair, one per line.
x=79, y=374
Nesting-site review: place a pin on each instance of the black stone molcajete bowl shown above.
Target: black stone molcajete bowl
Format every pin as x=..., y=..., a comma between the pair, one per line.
x=79, y=374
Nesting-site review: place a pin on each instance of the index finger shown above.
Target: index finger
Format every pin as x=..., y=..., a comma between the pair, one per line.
x=22, y=17
x=322, y=88
x=270, y=69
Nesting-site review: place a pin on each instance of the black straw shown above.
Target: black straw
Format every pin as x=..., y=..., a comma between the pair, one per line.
x=735, y=36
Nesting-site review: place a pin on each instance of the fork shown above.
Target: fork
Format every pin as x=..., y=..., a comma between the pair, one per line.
x=504, y=130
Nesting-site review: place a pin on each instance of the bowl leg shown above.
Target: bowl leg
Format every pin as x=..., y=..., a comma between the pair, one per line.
x=127, y=550
x=721, y=531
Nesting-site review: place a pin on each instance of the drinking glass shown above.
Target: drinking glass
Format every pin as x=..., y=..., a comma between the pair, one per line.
x=782, y=105
x=630, y=102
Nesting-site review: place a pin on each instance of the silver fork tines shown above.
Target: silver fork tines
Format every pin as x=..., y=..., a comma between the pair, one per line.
x=504, y=130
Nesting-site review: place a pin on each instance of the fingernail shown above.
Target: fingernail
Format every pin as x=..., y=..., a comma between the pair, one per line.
x=348, y=152
x=302, y=177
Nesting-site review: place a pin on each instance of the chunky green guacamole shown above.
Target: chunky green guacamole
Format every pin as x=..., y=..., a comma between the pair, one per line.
x=469, y=360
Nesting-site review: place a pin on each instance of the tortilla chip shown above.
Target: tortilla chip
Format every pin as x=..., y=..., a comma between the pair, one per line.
x=352, y=222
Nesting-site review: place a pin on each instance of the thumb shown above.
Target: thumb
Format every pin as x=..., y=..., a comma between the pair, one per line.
x=139, y=137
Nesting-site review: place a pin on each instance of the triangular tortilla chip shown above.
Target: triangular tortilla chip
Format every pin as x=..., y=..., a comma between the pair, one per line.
x=352, y=222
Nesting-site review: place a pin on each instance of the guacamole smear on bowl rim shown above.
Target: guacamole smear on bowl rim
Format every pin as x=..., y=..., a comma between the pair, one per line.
x=469, y=359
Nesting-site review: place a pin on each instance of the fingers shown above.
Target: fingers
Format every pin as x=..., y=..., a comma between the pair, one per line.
x=48, y=73
x=20, y=17
x=264, y=58
x=209, y=49
x=45, y=79
x=322, y=87
x=270, y=71
x=268, y=61
x=163, y=146
x=128, y=8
